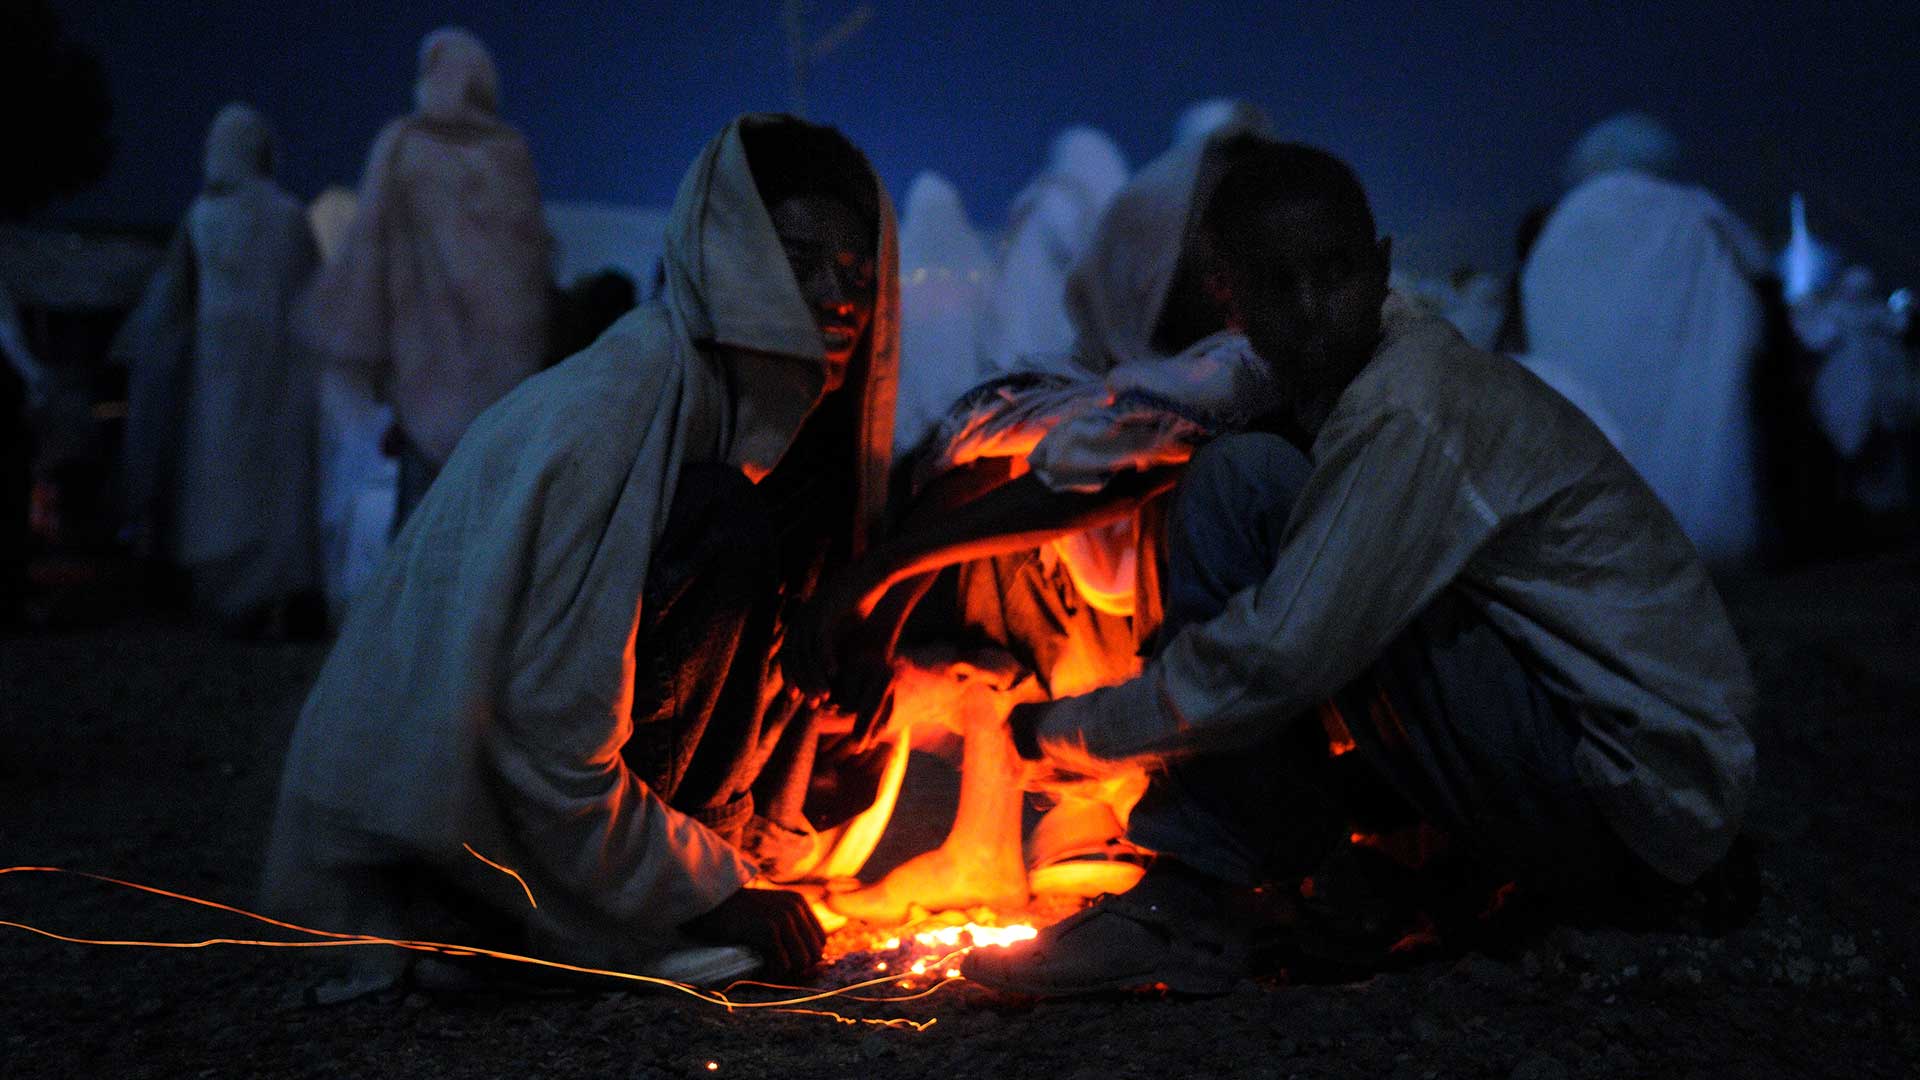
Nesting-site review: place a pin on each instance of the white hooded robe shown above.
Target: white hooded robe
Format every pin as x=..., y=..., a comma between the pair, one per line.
x=480, y=693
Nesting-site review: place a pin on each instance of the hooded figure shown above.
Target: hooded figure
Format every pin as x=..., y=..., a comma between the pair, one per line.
x=1640, y=291
x=439, y=297
x=945, y=277
x=1204, y=118
x=1048, y=229
x=529, y=670
x=1628, y=140
x=219, y=454
x=358, y=479
x=1121, y=399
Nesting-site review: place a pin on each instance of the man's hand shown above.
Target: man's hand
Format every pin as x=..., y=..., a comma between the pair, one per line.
x=776, y=923
x=820, y=635
x=1063, y=762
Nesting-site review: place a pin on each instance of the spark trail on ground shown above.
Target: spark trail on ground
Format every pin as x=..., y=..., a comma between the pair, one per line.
x=322, y=939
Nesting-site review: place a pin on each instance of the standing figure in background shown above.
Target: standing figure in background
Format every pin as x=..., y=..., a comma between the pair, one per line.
x=1643, y=290
x=440, y=297
x=945, y=278
x=219, y=454
x=1865, y=393
x=1048, y=229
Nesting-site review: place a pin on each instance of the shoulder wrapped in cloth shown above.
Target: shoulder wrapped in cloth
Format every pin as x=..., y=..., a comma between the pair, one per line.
x=480, y=690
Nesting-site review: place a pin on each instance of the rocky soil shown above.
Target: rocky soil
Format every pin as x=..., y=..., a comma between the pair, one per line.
x=149, y=750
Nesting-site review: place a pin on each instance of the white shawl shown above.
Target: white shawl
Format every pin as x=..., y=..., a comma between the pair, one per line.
x=480, y=691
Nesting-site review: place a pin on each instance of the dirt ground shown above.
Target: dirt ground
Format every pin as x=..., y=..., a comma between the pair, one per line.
x=149, y=750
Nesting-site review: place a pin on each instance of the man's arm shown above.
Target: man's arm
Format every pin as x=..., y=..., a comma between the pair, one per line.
x=1016, y=515
x=1385, y=522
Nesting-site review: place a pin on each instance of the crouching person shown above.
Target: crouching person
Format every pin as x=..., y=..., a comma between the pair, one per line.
x=554, y=721
x=1434, y=603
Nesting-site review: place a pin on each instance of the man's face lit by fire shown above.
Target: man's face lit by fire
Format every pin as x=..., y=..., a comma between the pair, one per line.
x=1307, y=285
x=831, y=250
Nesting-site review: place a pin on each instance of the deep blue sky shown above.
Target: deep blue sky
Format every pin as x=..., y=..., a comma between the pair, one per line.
x=1455, y=121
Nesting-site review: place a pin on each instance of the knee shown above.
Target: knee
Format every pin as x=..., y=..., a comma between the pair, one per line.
x=1240, y=476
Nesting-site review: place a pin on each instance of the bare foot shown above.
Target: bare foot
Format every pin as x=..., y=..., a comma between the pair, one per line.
x=940, y=880
x=979, y=862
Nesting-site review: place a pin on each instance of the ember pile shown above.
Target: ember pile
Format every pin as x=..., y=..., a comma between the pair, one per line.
x=928, y=947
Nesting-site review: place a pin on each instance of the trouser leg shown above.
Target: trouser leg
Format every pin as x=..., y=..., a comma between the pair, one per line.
x=1456, y=722
x=1226, y=814
x=1449, y=726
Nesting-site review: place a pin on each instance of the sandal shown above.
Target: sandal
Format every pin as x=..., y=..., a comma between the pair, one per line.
x=1168, y=931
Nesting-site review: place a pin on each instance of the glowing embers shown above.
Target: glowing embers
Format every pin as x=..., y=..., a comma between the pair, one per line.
x=928, y=949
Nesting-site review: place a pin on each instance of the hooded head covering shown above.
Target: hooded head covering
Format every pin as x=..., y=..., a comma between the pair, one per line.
x=1628, y=140
x=1088, y=157
x=934, y=230
x=239, y=147
x=729, y=283
x=1204, y=118
x=1118, y=290
x=482, y=688
x=457, y=77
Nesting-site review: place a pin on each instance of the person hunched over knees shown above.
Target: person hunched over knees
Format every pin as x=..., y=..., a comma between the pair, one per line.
x=1431, y=594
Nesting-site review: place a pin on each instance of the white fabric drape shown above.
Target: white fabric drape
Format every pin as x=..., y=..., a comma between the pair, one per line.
x=219, y=451
x=439, y=298
x=1641, y=290
x=945, y=278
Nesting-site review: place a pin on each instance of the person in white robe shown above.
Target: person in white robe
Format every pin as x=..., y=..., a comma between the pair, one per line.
x=219, y=454
x=1640, y=292
x=1048, y=229
x=1866, y=393
x=945, y=278
x=439, y=299
x=359, y=482
x=566, y=664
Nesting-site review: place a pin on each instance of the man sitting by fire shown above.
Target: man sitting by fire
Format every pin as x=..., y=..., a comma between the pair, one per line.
x=564, y=670
x=1426, y=598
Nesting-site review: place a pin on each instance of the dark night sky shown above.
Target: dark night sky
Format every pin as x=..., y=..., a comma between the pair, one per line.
x=1456, y=122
